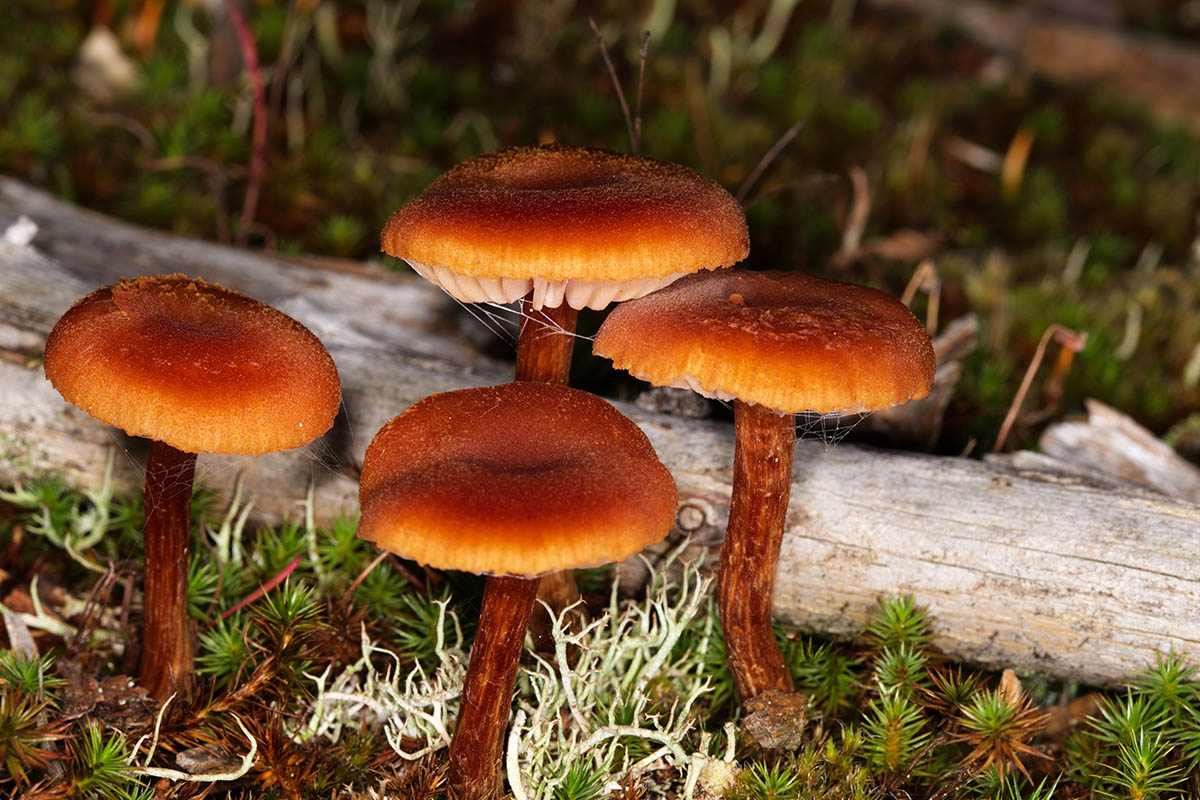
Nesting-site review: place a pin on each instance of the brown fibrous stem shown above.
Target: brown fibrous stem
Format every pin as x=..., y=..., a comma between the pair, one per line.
x=545, y=344
x=762, y=477
x=474, y=770
x=166, y=666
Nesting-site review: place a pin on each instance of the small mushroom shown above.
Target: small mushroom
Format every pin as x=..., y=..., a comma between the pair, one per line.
x=510, y=481
x=196, y=369
x=773, y=343
x=562, y=229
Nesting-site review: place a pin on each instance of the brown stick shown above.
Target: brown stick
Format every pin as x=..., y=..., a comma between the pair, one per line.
x=762, y=475
x=166, y=642
x=474, y=772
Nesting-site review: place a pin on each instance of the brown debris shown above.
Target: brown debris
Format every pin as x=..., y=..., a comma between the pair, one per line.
x=775, y=720
x=206, y=760
x=1063, y=720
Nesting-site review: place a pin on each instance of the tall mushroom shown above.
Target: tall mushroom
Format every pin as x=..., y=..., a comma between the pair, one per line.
x=196, y=368
x=511, y=481
x=775, y=343
x=562, y=229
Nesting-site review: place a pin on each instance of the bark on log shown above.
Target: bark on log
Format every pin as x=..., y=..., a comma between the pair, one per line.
x=1027, y=568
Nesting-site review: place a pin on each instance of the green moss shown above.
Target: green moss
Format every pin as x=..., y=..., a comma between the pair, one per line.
x=1042, y=213
x=1049, y=126
x=667, y=131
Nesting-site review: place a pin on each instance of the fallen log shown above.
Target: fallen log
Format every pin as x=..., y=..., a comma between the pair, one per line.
x=1031, y=568
x=1113, y=444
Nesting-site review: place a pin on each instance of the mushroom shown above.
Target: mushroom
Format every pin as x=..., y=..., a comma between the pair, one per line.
x=774, y=343
x=562, y=229
x=195, y=368
x=510, y=481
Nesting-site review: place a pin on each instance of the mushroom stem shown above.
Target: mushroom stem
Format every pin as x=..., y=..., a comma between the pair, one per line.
x=545, y=342
x=166, y=644
x=474, y=772
x=762, y=474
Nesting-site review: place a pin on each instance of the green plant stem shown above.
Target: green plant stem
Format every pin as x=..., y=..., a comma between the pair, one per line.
x=166, y=666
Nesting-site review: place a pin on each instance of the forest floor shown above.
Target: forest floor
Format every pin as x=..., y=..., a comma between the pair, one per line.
x=1029, y=203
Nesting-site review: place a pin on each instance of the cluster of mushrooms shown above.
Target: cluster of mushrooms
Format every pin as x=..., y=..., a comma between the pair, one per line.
x=530, y=478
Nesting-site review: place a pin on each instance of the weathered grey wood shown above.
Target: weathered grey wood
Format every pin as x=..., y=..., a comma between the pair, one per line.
x=1023, y=568
x=345, y=303
x=918, y=425
x=1110, y=442
x=394, y=338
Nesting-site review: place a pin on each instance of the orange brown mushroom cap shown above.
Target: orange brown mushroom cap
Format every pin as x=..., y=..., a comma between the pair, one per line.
x=784, y=340
x=511, y=481
x=194, y=365
x=195, y=368
x=585, y=225
x=775, y=343
x=517, y=479
x=562, y=229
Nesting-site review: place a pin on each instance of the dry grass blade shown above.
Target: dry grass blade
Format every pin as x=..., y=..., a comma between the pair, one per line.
x=612, y=73
x=926, y=279
x=258, y=151
x=766, y=160
x=1067, y=338
x=643, y=54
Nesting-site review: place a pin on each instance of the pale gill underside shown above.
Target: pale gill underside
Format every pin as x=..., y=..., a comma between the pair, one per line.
x=691, y=382
x=577, y=294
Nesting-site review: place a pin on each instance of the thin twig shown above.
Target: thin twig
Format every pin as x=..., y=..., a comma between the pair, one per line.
x=1066, y=337
x=362, y=576
x=612, y=73
x=90, y=618
x=925, y=277
x=766, y=160
x=405, y=573
x=644, y=53
x=259, y=141
x=279, y=578
x=860, y=211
